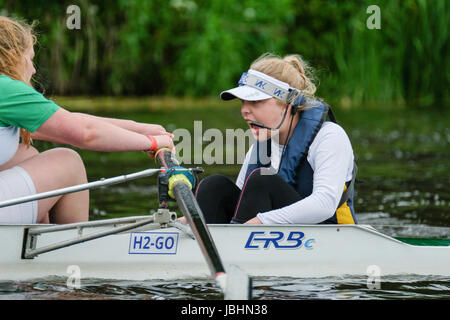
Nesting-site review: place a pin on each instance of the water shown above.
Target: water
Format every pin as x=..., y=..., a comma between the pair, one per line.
x=271, y=288
x=403, y=160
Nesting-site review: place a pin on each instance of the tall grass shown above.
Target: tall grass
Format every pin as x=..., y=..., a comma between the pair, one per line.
x=198, y=48
x=404, y=62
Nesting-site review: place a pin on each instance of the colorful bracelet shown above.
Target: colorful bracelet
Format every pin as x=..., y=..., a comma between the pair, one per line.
x=154, y=144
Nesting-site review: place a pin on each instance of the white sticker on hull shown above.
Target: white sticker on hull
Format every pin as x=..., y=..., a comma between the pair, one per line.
x=153, y=243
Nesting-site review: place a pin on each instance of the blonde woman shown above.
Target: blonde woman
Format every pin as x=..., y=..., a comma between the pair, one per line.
x=26, y=113
x=300, y=168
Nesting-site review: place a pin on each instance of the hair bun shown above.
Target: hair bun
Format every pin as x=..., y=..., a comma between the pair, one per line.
x=291, y=69
x=305, y=72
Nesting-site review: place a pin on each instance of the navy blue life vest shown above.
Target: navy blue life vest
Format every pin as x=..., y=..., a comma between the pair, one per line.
x=294, y=167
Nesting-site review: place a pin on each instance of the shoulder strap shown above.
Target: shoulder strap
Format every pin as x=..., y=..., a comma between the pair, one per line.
x=331, y=114
x=350, y=187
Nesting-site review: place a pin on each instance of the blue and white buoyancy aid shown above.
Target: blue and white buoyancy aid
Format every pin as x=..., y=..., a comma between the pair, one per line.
x=294, y=167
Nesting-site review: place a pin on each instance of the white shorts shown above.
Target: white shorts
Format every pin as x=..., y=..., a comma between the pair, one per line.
x=15, y=183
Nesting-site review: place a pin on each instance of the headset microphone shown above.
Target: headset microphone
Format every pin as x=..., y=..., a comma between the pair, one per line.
x=257, y=124
x=294, y=110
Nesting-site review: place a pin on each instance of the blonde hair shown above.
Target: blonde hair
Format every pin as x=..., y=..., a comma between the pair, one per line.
x=291, y=69
x=16, y=37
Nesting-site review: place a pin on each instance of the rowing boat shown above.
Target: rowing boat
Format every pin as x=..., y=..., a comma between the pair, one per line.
x=158, y=246
x=168, y=250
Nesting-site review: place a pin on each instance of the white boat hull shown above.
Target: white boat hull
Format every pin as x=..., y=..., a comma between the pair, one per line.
x=261, y=250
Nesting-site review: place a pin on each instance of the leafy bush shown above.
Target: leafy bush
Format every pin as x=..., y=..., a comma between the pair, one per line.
x=199, y=48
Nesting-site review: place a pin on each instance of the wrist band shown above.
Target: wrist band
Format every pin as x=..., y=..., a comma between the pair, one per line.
x=154, y=144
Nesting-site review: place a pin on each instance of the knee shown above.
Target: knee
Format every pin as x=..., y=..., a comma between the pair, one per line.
x=214, y=181
x=67, y=154
x=256, y=176
x=258, y=179
x=212, y=184
x=71, y=160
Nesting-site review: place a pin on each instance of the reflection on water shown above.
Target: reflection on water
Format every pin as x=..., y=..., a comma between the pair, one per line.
x=334, y=288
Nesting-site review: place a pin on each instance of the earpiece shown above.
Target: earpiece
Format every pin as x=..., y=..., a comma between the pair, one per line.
x=298, y=101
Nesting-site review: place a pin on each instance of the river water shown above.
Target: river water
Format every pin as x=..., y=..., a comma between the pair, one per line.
x=403, y=190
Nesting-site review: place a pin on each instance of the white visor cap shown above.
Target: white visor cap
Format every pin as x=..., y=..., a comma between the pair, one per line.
x=255, y=86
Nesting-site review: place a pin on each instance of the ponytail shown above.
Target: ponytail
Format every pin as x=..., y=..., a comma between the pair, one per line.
x=305, y=72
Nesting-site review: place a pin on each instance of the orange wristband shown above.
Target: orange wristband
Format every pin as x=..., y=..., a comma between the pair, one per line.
x=154, y=144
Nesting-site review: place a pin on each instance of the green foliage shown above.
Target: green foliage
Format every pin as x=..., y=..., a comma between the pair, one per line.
x=199, y=48
x=225, y=37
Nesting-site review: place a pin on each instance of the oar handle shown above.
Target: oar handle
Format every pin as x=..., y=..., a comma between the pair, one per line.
x=166, y=158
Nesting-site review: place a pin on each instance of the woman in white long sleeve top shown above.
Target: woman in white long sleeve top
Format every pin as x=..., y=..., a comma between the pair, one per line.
x=301, y=167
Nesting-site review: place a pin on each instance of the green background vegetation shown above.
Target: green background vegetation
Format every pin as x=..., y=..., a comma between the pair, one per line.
x=198, y=48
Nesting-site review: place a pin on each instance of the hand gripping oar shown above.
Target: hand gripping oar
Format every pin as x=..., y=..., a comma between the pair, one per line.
x=189, y=207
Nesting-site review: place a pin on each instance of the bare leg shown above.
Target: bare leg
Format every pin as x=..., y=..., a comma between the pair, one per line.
x=50, y=170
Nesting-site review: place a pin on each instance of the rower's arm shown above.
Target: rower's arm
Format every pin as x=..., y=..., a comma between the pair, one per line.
x=89, y=133
x=130, y=125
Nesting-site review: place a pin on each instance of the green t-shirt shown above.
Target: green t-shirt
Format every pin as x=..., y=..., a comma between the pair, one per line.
x=23, y=107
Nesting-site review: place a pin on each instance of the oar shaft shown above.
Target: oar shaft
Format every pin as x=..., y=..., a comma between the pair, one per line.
x=190, y=209
x=194, y=216
x=90, y=185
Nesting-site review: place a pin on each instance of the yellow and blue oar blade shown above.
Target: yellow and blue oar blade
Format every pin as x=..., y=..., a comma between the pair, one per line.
x=189, y=207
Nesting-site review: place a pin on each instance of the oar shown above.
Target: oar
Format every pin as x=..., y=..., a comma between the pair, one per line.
x=194, y=216
x=90, y=185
